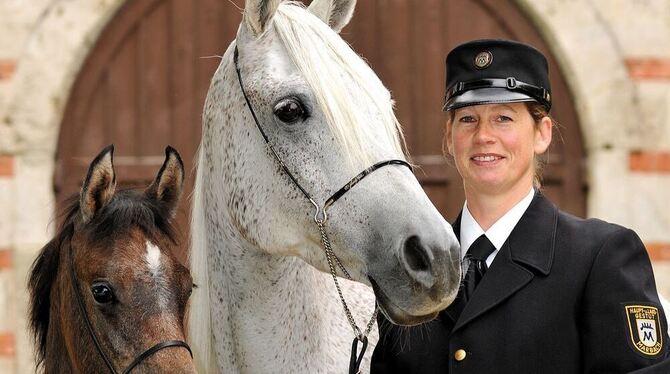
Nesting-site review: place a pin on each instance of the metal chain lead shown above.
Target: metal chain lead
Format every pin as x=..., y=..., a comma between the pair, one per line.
x=330, y=255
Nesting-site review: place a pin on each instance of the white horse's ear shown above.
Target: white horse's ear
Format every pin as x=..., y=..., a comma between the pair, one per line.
x=99, y=185
x=167, y=186
x=257, y=14
x=335, y=13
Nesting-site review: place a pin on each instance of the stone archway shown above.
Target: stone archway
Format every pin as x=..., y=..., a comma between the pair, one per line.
x=602, y=91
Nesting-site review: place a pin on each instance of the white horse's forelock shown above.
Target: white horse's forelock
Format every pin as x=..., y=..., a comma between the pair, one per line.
x=324, y=59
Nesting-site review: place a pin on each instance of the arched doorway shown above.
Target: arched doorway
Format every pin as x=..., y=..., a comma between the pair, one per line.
x=143, y=86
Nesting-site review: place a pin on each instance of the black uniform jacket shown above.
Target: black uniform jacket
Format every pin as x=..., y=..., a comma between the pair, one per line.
x=563, y=295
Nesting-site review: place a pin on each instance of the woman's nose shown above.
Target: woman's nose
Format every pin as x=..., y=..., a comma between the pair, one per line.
x=484, y=133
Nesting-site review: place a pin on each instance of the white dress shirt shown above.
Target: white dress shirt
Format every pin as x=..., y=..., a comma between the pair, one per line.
x=498, y=232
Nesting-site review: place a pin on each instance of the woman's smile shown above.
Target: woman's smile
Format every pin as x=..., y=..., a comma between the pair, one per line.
x=486, y=159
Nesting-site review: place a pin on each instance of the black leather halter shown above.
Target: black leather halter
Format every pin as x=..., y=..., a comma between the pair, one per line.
x=89, y=327
x=320, y=212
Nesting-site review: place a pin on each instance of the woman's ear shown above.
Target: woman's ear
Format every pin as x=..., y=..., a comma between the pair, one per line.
x=543, y=133
x=448, y=141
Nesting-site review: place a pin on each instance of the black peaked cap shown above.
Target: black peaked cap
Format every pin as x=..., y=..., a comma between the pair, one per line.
x=496, y=71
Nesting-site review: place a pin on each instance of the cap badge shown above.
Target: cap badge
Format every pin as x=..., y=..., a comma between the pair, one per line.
x=483, y=59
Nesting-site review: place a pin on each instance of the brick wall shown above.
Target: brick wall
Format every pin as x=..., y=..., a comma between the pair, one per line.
x=652, y=75
x=7, y=273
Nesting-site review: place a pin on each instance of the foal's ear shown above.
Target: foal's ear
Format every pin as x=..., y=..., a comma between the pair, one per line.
x=335, y=13
x=168, y=184
x=99, y=184
x=257, y=13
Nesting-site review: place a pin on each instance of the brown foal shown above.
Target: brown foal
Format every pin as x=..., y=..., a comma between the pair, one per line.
x=107, y=293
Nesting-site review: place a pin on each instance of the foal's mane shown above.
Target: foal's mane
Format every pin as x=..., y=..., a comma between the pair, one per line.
x=323, y=58
x=127, y=209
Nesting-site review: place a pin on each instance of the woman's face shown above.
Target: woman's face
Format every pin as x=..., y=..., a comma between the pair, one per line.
x=494, y=147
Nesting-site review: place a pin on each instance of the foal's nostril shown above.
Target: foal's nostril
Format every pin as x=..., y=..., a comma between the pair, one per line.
x=416, y=255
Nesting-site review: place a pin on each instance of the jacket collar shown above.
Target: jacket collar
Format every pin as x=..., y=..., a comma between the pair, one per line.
x=528, y=250
x=535, y=230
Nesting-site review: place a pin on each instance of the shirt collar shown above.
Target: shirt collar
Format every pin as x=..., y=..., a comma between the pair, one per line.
x=499, y=231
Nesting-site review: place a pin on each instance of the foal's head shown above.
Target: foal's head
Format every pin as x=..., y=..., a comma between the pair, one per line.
x=113, y=258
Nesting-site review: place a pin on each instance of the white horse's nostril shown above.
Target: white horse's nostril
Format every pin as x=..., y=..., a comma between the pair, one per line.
x=417, y=260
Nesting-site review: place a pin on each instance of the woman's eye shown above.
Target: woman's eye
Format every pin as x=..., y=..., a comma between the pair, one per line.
x=102, y=293
x=289, y=110
x=502, y=118
x=467, y=119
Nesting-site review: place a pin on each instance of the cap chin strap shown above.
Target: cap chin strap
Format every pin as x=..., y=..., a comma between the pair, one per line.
x=538, y=93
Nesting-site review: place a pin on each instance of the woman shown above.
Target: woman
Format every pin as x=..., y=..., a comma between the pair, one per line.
x=544, y=291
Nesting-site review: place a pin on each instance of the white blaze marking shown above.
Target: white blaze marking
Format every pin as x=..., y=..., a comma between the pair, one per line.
x=153, y=259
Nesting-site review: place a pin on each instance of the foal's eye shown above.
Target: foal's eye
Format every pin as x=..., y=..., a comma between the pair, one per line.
x=289, y=110
x=102, y=293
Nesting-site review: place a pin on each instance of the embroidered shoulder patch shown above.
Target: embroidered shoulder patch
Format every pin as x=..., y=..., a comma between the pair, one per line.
x=644, y=325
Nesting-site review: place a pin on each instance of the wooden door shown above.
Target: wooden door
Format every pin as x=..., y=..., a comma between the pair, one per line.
x=143, y=87
x=144, y=83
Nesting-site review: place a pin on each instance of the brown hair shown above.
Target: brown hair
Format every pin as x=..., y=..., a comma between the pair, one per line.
x=537, y=112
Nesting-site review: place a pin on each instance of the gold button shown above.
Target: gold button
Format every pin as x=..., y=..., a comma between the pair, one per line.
x=460, y=355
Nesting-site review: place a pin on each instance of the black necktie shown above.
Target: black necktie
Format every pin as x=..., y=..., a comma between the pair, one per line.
x=478, y=252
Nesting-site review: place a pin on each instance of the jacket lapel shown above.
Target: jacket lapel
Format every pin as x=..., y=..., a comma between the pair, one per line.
x=529, y=250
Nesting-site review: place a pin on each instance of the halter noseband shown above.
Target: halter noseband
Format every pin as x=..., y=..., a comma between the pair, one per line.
x=320, y=218
x=89, y=327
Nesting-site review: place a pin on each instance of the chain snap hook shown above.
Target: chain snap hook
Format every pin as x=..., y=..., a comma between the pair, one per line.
x=320, y=216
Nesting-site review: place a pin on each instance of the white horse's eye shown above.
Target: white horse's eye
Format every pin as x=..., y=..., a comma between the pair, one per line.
x=290, y=110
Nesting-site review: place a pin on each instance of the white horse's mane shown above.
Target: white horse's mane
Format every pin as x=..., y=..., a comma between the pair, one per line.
x=199, y=325
x=324, y=58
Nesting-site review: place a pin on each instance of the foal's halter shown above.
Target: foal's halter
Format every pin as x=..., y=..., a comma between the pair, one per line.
x=89, y=327
x=320, y=218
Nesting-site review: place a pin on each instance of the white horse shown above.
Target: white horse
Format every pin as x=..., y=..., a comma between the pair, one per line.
x=265, y=302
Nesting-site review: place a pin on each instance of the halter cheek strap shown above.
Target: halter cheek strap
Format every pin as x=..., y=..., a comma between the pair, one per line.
x=92, y=334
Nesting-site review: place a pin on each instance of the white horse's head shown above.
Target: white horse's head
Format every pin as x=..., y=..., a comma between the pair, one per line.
x=328, y=117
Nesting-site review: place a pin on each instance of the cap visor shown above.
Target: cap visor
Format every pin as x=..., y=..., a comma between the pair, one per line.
x=480, y=96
